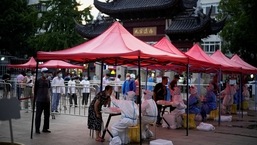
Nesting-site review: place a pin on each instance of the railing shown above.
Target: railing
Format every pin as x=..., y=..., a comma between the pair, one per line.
x=6, y=89
x=64, y=104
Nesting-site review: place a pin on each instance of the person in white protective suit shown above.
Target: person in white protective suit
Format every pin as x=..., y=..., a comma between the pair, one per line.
x=149, y=114
x=129, y=116
x=228, y=98
x=175, y=116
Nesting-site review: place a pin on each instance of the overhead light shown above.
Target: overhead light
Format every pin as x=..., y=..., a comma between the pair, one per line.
x=2, y=58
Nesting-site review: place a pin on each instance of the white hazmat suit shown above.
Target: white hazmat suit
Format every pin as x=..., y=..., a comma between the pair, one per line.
x=149, y=114
x=175, y=116
x=129, y=116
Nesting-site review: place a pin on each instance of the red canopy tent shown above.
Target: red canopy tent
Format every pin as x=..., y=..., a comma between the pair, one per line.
x=116, y=46
x=197, y=63
x=238, y=60
x=205, y=62
x=59, y=64
x=223, y=60
x=30, y=64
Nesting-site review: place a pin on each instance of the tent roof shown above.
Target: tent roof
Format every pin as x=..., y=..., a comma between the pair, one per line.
x=238, y=60
x=197, y=53
x=166, y=45
x=116, y=45
x=59, y=64
x=223, y=60
x=30, y=64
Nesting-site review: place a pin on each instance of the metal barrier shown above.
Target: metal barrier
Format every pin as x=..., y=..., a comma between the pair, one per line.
x=6, y=89
x=65, y=107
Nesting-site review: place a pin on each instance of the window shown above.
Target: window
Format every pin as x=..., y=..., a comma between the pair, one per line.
x=211, y=46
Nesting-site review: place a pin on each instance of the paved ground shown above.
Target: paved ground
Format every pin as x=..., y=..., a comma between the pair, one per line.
x=70, y=129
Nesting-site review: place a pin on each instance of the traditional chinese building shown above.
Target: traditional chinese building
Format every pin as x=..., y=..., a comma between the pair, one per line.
x=149, y=20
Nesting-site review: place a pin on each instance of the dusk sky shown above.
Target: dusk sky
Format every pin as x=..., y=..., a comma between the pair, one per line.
x=86, y=3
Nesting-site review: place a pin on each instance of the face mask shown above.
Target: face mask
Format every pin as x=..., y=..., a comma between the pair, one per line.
x=59, y=75
x=28, y=74
x=43, y=74
x=127, y=78
x=85, y=78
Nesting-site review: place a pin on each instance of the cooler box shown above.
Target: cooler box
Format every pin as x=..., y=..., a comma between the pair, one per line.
x=134, y=134
x=161, y=142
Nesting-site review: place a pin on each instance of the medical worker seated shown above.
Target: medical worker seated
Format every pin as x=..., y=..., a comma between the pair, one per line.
x=175, y=120
x=149, y=114
x=129, y=116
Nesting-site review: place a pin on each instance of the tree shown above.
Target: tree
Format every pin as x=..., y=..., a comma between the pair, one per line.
x=56, y=25
x=240, y=31
x=17, y=24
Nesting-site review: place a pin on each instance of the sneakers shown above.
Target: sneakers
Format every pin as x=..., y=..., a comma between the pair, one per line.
x=46, y=131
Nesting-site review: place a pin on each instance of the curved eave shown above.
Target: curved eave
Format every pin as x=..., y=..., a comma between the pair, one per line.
x=187, y=25
x=91, y=31
x=128, y=9
x=218, y=26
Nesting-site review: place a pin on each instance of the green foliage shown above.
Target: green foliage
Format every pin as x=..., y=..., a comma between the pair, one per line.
x=240, y=31
x=56, y=25
x=17, y=24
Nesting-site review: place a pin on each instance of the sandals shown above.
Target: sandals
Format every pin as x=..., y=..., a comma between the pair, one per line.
x=99, y=139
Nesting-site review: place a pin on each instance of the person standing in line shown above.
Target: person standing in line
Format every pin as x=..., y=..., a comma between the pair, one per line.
x=106, y=80
x=42, y=102
x=58, y=89
x=137, y=98
x=128, y=85
x=117, y=87
x=28, y=94
x=7, y=87
x=150, y=83
x=160, y=91
x=85, y=91
x=20, y=86
x=94, y=111
x=72, y=92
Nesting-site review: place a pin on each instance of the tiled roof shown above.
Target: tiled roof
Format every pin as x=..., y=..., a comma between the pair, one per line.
x=93, y=29
x=185, y=24
x=188, y=26
x=132, y=9
x=218, y=26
